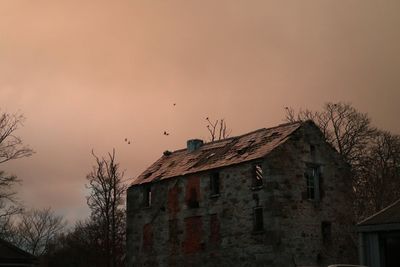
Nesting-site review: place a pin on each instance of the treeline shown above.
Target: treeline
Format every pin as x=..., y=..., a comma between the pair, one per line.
x=373, y=156
x=97, y=241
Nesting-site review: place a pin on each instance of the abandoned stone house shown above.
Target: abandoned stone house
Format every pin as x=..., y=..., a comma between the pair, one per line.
x=272, y=197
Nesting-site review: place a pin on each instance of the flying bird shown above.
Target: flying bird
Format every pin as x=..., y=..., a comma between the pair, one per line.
x=174, y=104
x=165, y=133
x=126, y=139
x=129, y=142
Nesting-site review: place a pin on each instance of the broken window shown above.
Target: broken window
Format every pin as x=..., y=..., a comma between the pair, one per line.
x=312, y=178
x=258, y=219
x=257, y=179
x=193, y=201
x=192, y=192
x=147, y=196
x=326, y=231
x=214, y=184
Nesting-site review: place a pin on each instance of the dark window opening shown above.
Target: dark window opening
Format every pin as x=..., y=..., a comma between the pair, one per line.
x=193, y=202
x=147, y=196
x=257, y=176
x=312, y=150
x=326, y=231
x=258, y=219
x=214, y=184
x=312, y=179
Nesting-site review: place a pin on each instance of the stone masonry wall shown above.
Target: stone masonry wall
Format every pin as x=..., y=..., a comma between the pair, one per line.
x=218, y=230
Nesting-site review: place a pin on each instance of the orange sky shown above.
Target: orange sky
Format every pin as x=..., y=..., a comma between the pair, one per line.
x=87, y=74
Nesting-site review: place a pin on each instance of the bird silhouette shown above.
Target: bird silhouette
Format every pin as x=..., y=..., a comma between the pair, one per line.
x=165, y=133
x=126, y=139
x=174, y=104
x=129, y=142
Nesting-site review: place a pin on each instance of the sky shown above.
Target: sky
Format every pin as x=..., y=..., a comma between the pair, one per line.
x=88, y=74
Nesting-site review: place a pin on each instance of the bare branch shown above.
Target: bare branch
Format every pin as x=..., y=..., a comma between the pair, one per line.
x=11, y=146
x=106, y=201
x=36, y=229
x=218, y=129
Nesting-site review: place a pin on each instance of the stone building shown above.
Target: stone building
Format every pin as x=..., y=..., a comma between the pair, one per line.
x=272, y=197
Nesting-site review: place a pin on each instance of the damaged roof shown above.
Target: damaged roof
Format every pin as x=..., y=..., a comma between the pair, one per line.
x=234, y=150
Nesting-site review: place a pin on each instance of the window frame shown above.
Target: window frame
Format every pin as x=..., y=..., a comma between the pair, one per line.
x=313, y=177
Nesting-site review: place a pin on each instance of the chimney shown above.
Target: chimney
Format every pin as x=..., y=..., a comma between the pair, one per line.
x=194, y=144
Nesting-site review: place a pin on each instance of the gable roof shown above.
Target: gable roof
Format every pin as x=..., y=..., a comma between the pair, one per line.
x=389, y=215
x=230, y=151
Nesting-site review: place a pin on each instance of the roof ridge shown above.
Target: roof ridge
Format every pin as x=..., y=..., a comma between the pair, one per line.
x=242, y=135
x=227, y=149
x=379, y=212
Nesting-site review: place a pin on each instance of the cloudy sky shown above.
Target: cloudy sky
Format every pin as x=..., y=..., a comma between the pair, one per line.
x=88, y=74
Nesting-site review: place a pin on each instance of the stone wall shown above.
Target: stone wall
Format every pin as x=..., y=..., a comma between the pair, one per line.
x=186, y=226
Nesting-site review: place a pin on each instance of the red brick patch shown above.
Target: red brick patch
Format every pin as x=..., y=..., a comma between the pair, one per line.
x=215, y=236
x=147, y=237
x=193, y=233
x=173, y=201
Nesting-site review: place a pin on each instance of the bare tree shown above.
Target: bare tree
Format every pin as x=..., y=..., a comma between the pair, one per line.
x=11, y=148
x=217, y=129
x=106, y=201
x=8, y=202
x=347, y=129
x=36, y=229
x=378, y=174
